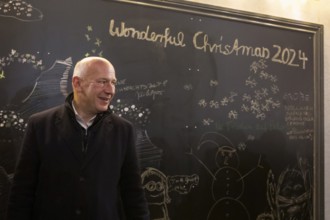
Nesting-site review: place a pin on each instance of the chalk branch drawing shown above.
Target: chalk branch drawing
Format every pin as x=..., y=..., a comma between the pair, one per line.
x=290, y=196
x=158, y=186
x=20, y=10
x=228, y=182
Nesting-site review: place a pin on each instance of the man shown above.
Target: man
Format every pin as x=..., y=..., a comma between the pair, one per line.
x=78, y=160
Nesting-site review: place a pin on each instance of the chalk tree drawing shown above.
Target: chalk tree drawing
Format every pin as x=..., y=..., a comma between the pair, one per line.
x=20, y=10
x=157, y=187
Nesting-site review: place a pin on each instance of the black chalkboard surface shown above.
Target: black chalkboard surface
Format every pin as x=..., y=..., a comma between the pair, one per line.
x=227, y=104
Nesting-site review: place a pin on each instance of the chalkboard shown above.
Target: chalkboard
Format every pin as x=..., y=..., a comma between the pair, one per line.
x=227, y=104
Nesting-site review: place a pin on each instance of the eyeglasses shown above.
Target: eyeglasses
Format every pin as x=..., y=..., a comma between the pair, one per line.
x=104, y=82
x=101, y=83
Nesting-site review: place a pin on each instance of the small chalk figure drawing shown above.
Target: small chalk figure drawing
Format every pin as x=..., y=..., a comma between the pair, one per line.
x=158, y=186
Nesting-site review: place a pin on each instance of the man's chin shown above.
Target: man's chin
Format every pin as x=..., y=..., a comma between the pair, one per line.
x=103, y=108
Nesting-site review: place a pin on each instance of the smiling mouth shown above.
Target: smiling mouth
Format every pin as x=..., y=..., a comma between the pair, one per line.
x=105, y=99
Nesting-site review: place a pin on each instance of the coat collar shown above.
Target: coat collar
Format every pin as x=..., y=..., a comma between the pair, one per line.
x=72, y=132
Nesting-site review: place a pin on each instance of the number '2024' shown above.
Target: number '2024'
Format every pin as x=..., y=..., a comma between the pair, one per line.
x=289, y=57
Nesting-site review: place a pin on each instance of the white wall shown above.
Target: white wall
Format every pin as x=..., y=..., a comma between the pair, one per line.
x=315, y=11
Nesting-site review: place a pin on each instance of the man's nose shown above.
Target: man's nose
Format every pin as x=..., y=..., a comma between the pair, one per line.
x=110, y=88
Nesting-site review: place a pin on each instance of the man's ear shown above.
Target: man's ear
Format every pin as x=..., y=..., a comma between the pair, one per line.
x=76, y=83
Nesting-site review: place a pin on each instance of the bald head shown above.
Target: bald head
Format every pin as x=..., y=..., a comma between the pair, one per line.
x=89, y=65
x=93, y=84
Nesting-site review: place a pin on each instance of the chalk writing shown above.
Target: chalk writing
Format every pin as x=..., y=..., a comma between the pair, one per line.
x=150, y=93
x=201, y=42
x=151, y=89
x=287, y=56
x=292, y=57
x=296, y=118
x=296, y=96
x=146, y=35
x=259, y=127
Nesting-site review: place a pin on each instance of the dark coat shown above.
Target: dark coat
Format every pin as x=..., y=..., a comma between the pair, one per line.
x=55, y=180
